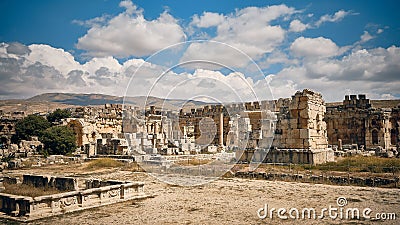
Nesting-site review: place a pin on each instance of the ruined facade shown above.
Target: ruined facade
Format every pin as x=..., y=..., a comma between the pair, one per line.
x=151, y=131
x=7, y=127
x=357, y=122
x=300, y=122
x=206, y=126
x=98, y=129
x=286, y=130
x=300, y=135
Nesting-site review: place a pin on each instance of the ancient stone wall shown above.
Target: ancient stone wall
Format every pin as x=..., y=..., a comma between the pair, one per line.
x=217, y=126
x=357, y=122
x=295, y=156
x=300, y=122
x=7, y=127
x=99, y=129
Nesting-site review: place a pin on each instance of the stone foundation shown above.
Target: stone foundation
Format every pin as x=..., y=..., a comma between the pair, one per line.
x=321, y=179
x=23, y=208
x=60, y=183
x=295, y=156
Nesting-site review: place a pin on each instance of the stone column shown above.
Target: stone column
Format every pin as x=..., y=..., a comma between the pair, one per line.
x=142, y=143
x=221, y=129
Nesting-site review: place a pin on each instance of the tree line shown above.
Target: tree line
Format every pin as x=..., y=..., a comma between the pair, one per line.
x=57, y=140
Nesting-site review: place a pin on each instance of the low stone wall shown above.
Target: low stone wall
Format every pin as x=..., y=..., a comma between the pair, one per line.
x=60, y=183
x=336, y=180
x=296, y=156
x=24, y=208
x=96, y=183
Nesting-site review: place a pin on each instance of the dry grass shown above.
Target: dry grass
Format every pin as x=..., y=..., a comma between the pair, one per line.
x=193, y=162
x=370, y=164
x=133, y=167
x=360, y=165
x=26, y=190
x=104, y=163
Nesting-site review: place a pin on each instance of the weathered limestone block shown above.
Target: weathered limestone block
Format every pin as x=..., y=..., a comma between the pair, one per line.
x=304, y=133
x=37, y=181
x=66, y=183
x=93, y=183
x=60, y=183
x=295, y=134
x=304, y=114
x=303, y=123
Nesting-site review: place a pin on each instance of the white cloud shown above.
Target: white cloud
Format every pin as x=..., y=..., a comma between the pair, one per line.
x=314, y=47
x=379, y=31
x=206, y=84
x=30, y=74
x=130, y=7
x=208, y=19
x=16, y=48
x=130, y=34
x=373, y=72
x=97, y=21
x=338, y=16
x=316, y=63
x=54, y=57
x=215, y=55
x=277, y=57
x=387, y=96
x=108, y=62
x=46, y=69
x=248, y=29
x=366, y=37
x=297, y=26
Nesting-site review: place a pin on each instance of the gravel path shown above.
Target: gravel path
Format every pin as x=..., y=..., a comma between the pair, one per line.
x=230, y=201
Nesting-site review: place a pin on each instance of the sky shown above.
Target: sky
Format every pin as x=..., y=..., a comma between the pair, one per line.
x=204, y=50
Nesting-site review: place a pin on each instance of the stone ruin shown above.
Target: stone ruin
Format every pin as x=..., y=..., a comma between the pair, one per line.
x=300, y=134
x=96, y=193
x=300, y=122
x=59, y=183
x=357, y=122
x=298, y=130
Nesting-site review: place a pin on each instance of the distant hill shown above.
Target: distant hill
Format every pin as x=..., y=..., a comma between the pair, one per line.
x=30, y=107
x=140, y=101
x=100, y=99
x=77, y=99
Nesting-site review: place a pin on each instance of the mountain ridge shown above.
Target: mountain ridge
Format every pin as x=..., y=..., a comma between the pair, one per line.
x=101, y=99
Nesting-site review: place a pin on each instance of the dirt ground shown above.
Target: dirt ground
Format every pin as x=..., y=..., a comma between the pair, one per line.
x=224, y=201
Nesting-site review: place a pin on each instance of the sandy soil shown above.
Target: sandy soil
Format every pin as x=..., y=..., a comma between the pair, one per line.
x=225, y=201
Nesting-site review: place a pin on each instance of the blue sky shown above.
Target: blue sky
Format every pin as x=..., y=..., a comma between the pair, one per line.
x=50, y=22
x=94, y=46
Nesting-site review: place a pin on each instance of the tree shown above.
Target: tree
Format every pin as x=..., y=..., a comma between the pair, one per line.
x=32, y=125
x=58, y=140
x=58, y=114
